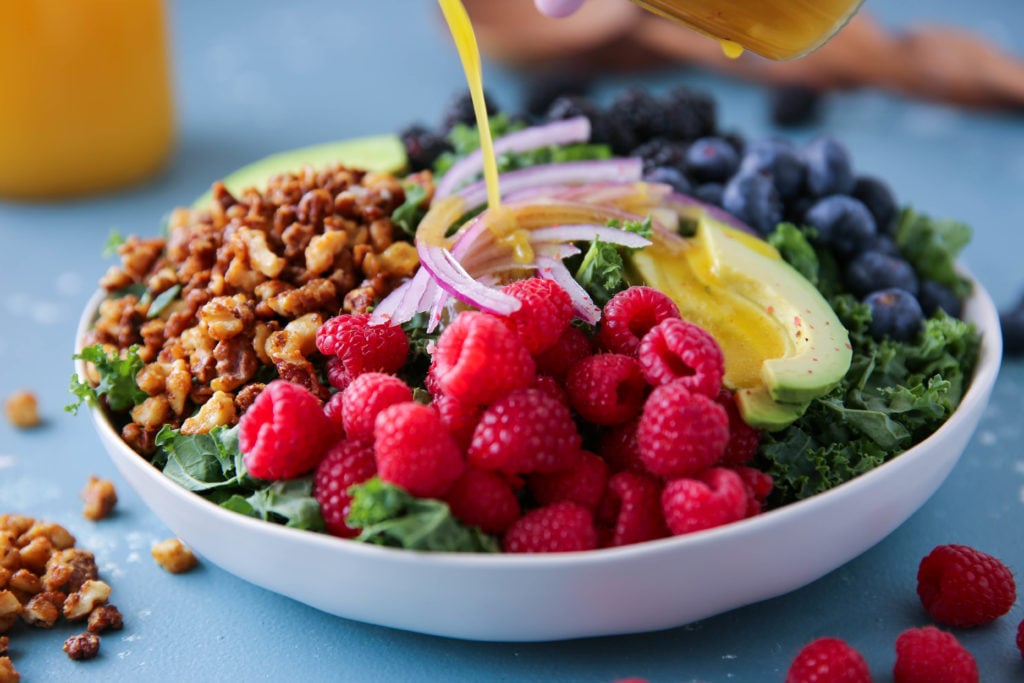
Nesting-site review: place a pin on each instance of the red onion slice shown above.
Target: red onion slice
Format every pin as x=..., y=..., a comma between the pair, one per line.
x=622, y=170
x=582, y=304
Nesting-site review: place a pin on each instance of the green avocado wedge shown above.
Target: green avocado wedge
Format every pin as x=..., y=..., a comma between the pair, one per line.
x=384, y=153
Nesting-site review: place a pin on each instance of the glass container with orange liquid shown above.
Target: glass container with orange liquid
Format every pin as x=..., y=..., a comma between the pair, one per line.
x=85, y=95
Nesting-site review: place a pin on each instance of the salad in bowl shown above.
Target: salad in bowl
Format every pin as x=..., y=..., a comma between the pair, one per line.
x=657, y=351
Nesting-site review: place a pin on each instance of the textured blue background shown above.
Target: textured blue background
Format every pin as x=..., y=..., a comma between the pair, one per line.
x=255, y=78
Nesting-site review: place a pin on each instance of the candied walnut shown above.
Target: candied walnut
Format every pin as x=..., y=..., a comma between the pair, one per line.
x=178, y=385
x=10, y=608
x=4, y=641
x=359, y=300
x=10, y=557
x=139, y=255
x=60, y=537
x=43, y=609
x=315, y=295
x=5, y=576
x=140, y=439
x=247, y=395
x=237, y=362
x=152, y=378
x=16, y=525
x=82, y=646
x=323, y=249
x=105, y=618
x=226, y=316
x=399, y=260
x=92, y=593
x=70, y=569
x=382, y=234
x=22, y=409
x=174, y=556
x=261, y=257
x=152, y=413
x=218, y=410
x=8, y=674
x=35, y=554
x=25, y=581
x=199, y=347
x=100, y=498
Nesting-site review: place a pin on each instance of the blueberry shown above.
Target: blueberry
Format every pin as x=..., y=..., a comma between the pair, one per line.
x=659, y=152
x=885, y=245
x=1012, y=324
x=794, y=105
x=423, y=146
x=829, y=170
x=709, y=193
x=873, y=270
x=670, y=176
x=753, y=199
x=637, y=110
x=934, y=296
x=777, y=159
x=895, y=313
x=711, y=159
x=880, y=200
x=689, y=114
x=460, y=110
x=843, y=223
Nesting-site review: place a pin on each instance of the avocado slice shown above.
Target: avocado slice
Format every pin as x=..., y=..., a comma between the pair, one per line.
x=783, y=344
x=384, y=153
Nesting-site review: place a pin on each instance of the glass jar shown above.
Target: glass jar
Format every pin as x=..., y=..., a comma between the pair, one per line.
x=85, y=95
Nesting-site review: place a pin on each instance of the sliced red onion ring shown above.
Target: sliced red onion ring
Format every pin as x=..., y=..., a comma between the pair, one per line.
x=453, y=278
x=587, y=233
x=582, y=304
x=566, y=132
x=623, y=170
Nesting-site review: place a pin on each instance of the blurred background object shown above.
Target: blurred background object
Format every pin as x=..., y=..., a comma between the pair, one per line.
x=85, y=95
x=926, y=61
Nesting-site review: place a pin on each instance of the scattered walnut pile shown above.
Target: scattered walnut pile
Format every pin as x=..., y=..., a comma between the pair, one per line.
x=258, y=274
x=44, y=577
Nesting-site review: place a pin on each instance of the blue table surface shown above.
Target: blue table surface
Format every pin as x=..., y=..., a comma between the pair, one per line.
x=255, y=78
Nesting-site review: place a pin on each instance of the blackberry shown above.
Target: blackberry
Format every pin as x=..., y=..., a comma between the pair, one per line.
x=423, y=146
x=843, y=223
x=670, y=176
x=571, y=106
x=880, y=200
x=709, y=193
x=934, y=296
x=752, y=198
x=711, y=159
x=690, y=114
x=873, y=270
x=829, y=169
x=638, y=111
x=794, y=105
x=779, y=160
x=895, y=313
x=659, y=153
x=542, y=91
x=460, y=110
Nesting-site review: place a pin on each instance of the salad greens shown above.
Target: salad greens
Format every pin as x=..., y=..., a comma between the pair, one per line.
x=117, y=379
x=602, y=272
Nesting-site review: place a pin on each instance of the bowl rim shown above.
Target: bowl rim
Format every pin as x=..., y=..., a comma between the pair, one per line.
x=979, y=309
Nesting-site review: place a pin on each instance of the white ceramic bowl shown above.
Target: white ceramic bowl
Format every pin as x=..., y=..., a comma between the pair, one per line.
x=644, y=587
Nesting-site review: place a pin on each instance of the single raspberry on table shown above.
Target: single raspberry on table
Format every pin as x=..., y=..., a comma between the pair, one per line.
x=363, y=347
x=961, y=586
x=572, y=346
x=930, y=655
x=606, y=388
x=545, y=313
x=415, y=451
x=828, y=660
x=525, y=431
x=712, y=499
x=681, y=433
x=743, y=439
x=460, y=418
x=478, y=359
x=559, y=527
x=365, y=397
x=346, y=463
x=284, y=433
x=676, y=350
x=630, y=314
x=583, y=484
x=631, y=510
x=483, y=499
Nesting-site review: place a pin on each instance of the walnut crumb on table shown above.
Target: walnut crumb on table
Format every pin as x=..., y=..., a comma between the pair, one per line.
x=22, y=409
x=100, y=498
x=82, y=646
x=174, y=556
x=8, y=674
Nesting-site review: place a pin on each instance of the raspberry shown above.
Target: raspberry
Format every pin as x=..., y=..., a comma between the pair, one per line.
x=365, y=397
x=759, y=486
x=573, y=346
x=743, y=439
x=551, y=387
x=619, y=447
x=929, y=655
x=559, y=527
x=363, y=347
x=630, y=314
x=714, y=498
x=632, y=509
x=677, y=350
x=828, y=660
x=284, y=433
x=545, y=314
x=460, y=419
x=332, y=409
x=961, y=586
x=478, y=359
x=607, y=388
x=583, y=484
x=337, y=374
x=414, y=450
x=526, y=431
x=681, y=433
x=346, y=463
x=483, y=499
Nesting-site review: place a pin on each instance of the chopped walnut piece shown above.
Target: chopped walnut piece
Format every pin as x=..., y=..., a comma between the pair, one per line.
x=60, y=537
x=5, y=576
x=10, y=608
x=100, y=498
x=70, y=569
x=25, y=581
x=81, y=602
x=174, y=556
x=43, y=609
x=10, y=557
x=105, y=617
x=22, y=409
x=218, y=410
x=8, y=674
x=4, y=640
x=82, y=646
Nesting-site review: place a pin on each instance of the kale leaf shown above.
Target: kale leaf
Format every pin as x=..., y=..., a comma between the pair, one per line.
x=117, y=379
x=602, y=272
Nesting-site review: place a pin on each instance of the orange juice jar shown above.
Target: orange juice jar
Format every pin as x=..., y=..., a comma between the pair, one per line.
x=85, y=95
